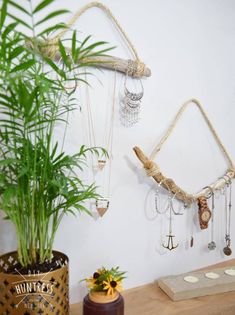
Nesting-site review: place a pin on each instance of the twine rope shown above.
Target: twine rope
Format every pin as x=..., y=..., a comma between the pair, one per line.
x=174, y=123
x=138, y=67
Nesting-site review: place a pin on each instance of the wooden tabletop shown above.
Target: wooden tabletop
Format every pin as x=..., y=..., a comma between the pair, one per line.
x=151, y=300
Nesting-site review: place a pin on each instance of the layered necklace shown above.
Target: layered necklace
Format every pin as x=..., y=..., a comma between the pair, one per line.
x=102, y=166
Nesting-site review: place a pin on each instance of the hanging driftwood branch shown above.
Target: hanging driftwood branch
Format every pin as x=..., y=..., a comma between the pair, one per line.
x=152, y=169
x=133, y=68
x=138, y=70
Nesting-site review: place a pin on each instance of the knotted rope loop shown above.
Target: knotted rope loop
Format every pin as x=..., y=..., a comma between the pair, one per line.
x=151, y=168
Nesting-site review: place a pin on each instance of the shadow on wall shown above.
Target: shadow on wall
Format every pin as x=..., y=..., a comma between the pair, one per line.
x=7, y=235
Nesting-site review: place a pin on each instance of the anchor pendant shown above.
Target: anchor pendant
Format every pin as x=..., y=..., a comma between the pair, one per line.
x=170, y=243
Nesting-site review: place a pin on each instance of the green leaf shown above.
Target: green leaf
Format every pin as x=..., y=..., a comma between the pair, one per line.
x=74, y=42
x=8, y=29
x=24, y=66
x=19, y=7
x=63, y=53
x=16, y=52
x=3, y=13
x=55, y=68
x=42, y=5
x=92, y=46
x=52, y=15
x=19, y=21
x=8, y=161
x=52, y=29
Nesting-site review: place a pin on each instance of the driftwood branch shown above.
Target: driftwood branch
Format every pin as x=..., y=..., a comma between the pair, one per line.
x=132, y=68
x=153, y=170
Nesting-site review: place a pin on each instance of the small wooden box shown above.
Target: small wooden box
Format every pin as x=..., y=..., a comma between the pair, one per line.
x=178, y=289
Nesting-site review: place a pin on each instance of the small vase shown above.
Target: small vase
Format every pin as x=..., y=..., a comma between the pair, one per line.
x=99, y=303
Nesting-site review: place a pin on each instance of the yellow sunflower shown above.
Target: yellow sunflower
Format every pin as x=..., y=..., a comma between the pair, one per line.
x=112, y=285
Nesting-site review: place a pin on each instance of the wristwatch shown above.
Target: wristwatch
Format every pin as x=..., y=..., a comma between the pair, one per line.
x=204, y=213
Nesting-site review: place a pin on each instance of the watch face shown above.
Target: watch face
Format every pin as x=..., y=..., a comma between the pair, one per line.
x=205, y=216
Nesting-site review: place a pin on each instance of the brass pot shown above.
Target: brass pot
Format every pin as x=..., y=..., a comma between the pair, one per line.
x=38, y=293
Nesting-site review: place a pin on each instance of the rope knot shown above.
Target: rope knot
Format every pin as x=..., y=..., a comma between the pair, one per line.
x=151, y=168
x=135, y=68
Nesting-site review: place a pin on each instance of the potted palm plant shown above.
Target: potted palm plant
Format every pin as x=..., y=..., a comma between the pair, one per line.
x=38, y=181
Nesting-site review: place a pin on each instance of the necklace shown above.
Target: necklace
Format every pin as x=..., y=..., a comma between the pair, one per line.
x=228, y=207
x=170, y=237
x=212, y=244
x=104, y=163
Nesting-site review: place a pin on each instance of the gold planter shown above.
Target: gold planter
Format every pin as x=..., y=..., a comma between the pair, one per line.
x=38, y=293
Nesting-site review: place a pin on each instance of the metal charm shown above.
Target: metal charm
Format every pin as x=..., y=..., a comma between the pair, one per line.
x=130, y=104
x=101, y=164
x=212, y=244
x=170, y=244
x=228, y=207
x=227, y=250
x=102, y=205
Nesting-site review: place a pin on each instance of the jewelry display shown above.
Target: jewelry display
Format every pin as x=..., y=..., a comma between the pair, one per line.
x=205, y=214
x=153, y=170
x=106, y=62
x=228, y=207
x=131, y=102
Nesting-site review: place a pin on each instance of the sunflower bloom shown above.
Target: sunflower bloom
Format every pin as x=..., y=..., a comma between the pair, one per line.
x=112, y=285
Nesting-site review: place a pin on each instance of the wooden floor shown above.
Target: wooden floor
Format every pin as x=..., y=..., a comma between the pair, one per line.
x=151, y=300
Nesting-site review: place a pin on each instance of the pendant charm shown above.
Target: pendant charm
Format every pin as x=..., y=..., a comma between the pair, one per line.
x=191, y=241
x=101, y=164
x=170, y=244
x=130, y=104
x=102, y=205
x=227, y=251
x=212, y=245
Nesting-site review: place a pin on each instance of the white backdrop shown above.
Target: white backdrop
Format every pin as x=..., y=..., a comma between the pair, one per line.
x=190, y=47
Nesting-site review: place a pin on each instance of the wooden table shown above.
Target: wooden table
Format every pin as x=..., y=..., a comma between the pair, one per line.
x=151, y=300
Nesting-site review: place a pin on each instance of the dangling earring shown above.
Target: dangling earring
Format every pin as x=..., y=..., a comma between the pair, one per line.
x=157, y=199
x=131, y=102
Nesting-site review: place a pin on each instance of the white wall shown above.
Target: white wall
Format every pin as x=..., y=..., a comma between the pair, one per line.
x=190, y=47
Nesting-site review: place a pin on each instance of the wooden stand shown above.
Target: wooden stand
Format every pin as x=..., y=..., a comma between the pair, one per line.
x=112, y=308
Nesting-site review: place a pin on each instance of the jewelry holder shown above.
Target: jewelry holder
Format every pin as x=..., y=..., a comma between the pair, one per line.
x=51, y=49
x=205, y=214
x=153, y=170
